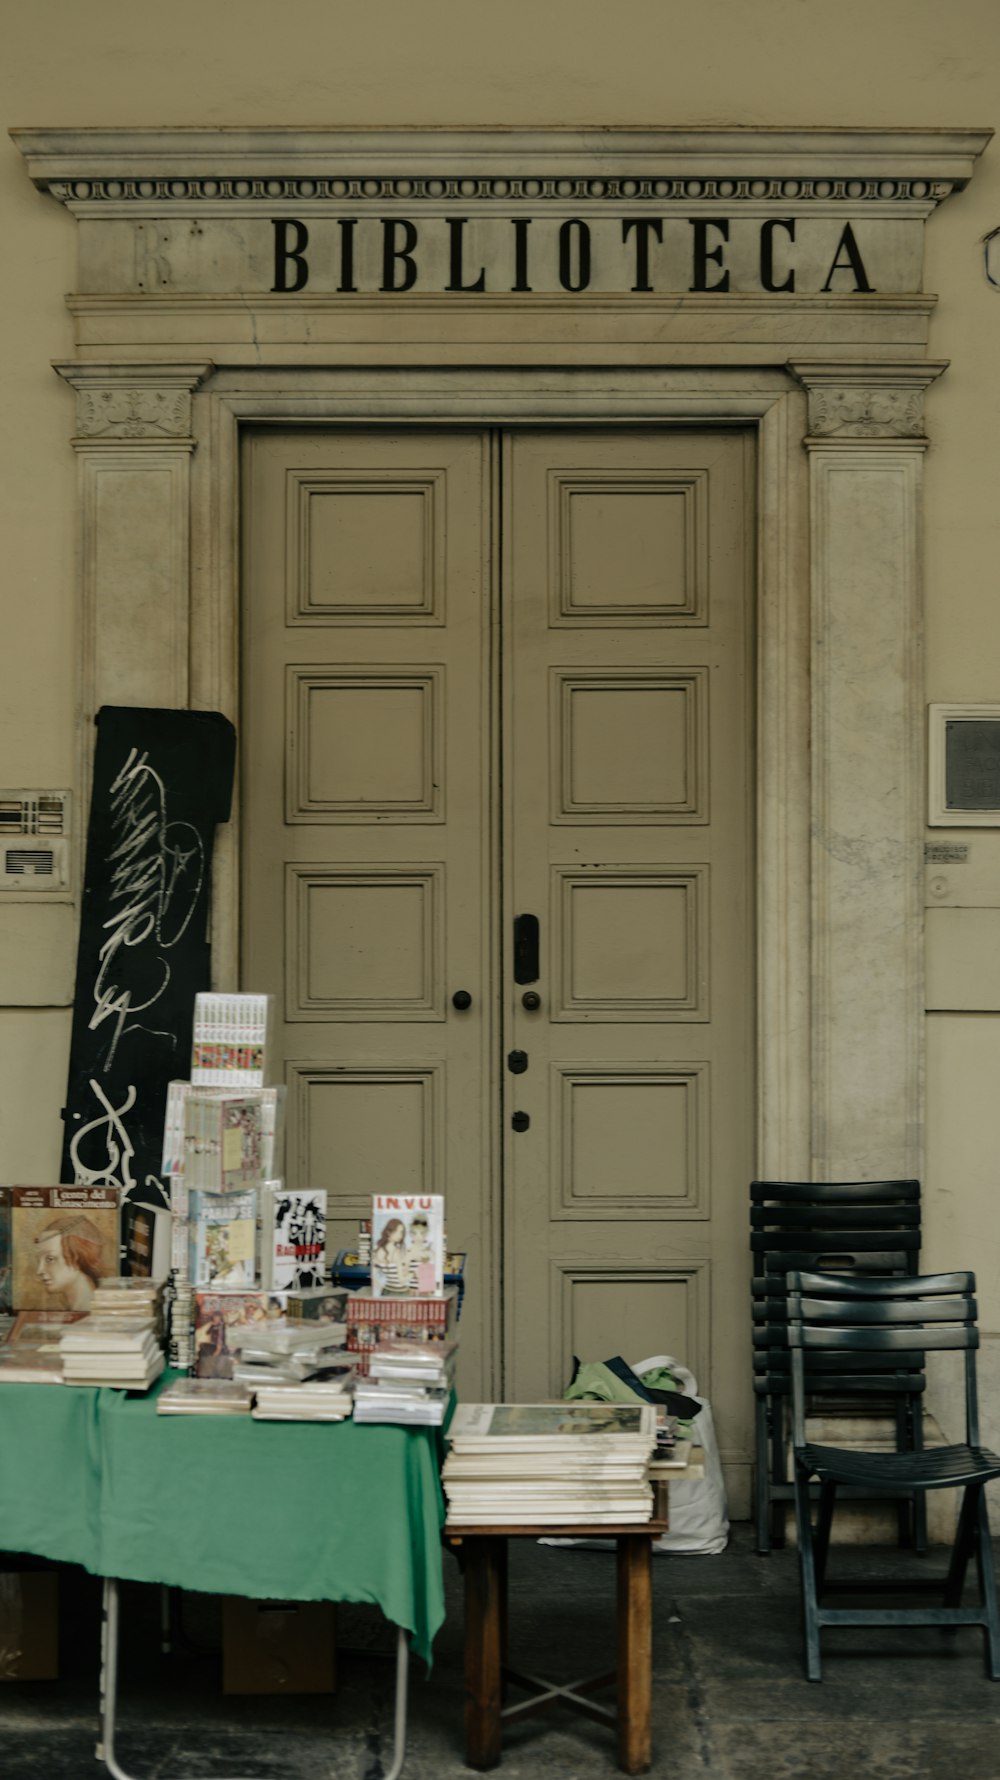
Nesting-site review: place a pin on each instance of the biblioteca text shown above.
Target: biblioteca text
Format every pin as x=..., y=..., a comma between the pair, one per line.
x=522, y=254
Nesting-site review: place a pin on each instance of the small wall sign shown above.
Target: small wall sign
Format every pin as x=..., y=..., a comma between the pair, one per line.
x=963, y=758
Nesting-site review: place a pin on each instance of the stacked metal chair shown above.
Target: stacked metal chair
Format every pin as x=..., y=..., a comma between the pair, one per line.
x=857, y=1227
x=851, y=1318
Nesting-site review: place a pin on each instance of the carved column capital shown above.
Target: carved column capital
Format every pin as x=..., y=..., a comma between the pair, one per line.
x=138, y=404
x=874, y=401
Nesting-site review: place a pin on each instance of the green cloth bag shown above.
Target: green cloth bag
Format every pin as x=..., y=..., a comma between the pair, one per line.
x=596, y=1382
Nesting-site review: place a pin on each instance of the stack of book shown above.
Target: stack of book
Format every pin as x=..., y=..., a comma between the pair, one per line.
x=117, y=1351
x=223, y=1134
x=550, y=1464
x=25, y=1364
x=131, y=1299
x=29, y=1345
x=406, y=1404
x=319, y=1400
x=271, y=1101
x=203, y=1396
x=409, y=1382
x=231, y=1040
x=290, y=1353
x=372, y=1320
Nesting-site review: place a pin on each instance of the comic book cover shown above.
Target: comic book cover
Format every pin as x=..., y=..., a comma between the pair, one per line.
x=217, y=1316
x=63, y=1241
x=407, y=1243
x=223, y=1238
x=293, y=1237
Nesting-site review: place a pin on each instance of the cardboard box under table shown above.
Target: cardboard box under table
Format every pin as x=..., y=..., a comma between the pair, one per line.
x=226, y=1505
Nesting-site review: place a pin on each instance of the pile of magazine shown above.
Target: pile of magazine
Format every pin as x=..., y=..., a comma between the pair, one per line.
x=408, y=1382
x=550, y=1464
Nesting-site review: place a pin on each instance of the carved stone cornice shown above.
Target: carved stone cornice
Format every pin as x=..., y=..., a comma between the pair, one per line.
x=196, y=169
x=875, y=401
x=133, y=404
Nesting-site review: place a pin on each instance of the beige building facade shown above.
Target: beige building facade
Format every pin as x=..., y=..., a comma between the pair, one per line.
x=578, y=517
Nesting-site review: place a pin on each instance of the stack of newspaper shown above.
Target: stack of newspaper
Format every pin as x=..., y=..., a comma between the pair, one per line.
x=550, y=1464
x=112, y=1350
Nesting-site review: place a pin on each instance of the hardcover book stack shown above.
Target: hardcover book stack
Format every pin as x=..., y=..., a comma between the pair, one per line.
x=111, y=1350
x=132, y=1299
x=550, y=1464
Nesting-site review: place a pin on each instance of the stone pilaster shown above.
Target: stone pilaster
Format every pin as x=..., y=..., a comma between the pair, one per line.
x=866, y=442
x=134, y=443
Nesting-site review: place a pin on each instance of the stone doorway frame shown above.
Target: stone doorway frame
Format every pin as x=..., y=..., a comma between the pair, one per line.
x=833, y=385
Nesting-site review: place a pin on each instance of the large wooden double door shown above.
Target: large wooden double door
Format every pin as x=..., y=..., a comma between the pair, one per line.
x=497, y=772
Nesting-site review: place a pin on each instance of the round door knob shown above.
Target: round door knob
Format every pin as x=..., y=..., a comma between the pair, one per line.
x=461, y=999
x=531, y=1000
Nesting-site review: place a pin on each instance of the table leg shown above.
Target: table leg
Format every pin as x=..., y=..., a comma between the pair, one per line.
x=485, y=1614
x=635, y=1652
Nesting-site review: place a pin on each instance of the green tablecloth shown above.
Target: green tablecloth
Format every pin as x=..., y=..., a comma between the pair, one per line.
x=275, y=1510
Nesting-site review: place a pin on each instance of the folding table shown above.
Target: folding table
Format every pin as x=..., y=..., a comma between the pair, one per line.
x=225, y=1505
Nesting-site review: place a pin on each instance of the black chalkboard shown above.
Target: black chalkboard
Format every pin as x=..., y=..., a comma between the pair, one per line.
x=162, y=781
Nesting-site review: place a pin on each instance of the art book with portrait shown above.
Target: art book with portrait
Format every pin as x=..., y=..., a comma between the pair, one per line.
x=407, y=1243
x=63, y=1241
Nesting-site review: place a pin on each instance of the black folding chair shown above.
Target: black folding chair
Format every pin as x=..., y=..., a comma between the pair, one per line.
x=857, y=1226
x=830, y=1313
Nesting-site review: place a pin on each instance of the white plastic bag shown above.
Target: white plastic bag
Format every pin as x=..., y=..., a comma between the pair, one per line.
x=699, y=1518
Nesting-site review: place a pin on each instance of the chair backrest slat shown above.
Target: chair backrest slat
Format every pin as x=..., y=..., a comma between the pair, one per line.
x=853, y=1216
x=821, y=1193
x=818, y=1284
x=879, y=1318
x=878, y=1340
x=913, y=1311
